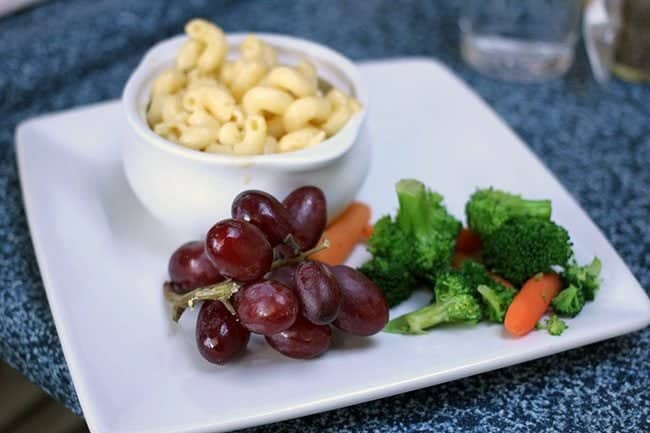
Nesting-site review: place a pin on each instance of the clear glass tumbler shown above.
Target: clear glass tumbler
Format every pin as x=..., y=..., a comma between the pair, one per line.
x=522, y=40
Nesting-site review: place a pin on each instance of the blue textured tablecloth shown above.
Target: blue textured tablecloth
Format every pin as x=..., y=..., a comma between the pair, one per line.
x=597, y=140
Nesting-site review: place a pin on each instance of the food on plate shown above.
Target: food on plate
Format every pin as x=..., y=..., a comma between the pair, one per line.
x=219, y=336
x=319, y=293
x=413, y=247
x=247, y=286
x=189, y=268
x=510, y=266
x=582, y=284
x=238, y=250
x=344, y=234
x=554, y=325
x=525, y=246
x=364, y=310
x=245, y=106
x=267, y=307
x=307, y=209
x=303, y=340
x=264, y=211
x=587, y=277
x=488, y=209
x=468, y=242
x=531, y=302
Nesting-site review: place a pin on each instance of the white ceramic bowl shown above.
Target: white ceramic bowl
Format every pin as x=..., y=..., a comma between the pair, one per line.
x=190, y=190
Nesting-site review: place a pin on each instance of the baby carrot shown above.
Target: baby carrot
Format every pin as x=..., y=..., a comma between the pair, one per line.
x=460, y=257
x=367, y=232
x=531, y=302
x=468, y=242
x=344, y=233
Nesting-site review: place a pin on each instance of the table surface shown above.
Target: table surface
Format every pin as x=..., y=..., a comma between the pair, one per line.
x=596, y=140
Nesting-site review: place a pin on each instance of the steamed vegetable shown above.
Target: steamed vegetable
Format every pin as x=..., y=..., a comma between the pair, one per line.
x=554, y=325
x=531, y=302
x=508, y=266
x=488, y=209
x=415, y=246
x=497, y=299
x=525, y=246
x=494, y=296
x=569, y=301
x=466, y=295
x=587, y=277
x=583, y=282
x=344, y=234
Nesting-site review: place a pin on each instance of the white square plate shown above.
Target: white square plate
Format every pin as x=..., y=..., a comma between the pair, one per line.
x=103, y=259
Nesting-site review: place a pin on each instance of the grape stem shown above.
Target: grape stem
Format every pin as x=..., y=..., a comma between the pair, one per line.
x=291, y=242
x=224, y=290
x=300, y=257
x=216, y=292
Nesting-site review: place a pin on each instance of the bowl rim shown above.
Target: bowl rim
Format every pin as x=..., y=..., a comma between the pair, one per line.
x=326, y=151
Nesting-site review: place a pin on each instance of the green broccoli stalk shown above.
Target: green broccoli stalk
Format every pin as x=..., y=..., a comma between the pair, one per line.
x=523, y=247
x=496, y=299
x=415, y=246
x=455, y=301
x=554, y=325
x=587, y=277
x=569, y=302
x=423, y=218
x=488, y=209
x=455, y=309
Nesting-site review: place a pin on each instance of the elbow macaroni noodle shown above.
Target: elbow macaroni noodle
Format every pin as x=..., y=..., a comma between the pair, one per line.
x=248, y=106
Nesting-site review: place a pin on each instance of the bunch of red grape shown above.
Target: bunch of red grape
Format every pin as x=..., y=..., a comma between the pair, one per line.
x=253, y=274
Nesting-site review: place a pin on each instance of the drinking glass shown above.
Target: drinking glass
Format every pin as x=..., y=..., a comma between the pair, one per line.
x=522, y=40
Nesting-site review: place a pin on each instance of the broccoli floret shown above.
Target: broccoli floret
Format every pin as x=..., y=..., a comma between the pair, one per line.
x=523, y=247
x=569, y=302
x=488, y=209
x=415, y=246
x=451, y=283
x=475, y=274
x=495, y=297
x=455, y=309
x=390, y=267
x=496, y=300
x=394, y=279
x=456, y=301
x=423, y=218
x=554, y=325
x=587, y=277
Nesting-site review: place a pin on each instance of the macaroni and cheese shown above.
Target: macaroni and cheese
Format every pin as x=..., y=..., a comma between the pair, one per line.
x=246, y=106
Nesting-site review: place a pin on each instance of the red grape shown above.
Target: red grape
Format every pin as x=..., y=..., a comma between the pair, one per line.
x=267, y=307
x=264, y=211
x=364, y=310
x=303, y=340
x=318, y=292
x=308, y=211
x=190, y=268
x=239, y=250
x=219, y=335
x=284, y=274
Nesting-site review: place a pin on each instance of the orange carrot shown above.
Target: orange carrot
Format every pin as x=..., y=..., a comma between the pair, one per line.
x=531, y=302
x=468, y=242
x=344, y=233
x=460, y=257
x=367, y=232
x=499, y=279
